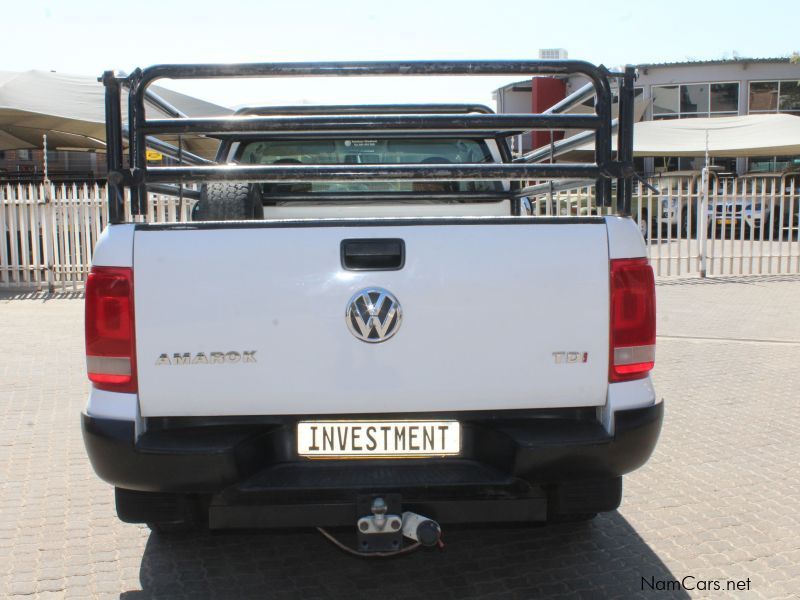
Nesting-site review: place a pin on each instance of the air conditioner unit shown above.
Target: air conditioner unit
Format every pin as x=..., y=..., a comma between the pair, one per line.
x=553, y=53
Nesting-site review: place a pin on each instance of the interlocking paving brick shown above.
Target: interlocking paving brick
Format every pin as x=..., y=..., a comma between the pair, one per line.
x=718, y=500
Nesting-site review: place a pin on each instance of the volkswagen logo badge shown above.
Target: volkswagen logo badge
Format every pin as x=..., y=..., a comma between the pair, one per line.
x=373, y=315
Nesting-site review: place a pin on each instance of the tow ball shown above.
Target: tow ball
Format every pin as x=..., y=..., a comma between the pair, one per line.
x=384, y=529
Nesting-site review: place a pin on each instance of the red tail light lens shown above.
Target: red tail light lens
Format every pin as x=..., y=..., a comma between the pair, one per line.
x=633, y=320
x=110, y=347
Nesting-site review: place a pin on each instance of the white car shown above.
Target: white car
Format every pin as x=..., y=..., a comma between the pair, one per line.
x=679, y=197
x=750, y=208
x=394, y=356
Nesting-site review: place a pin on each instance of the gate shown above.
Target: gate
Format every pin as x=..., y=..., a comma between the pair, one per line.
x=693, y=226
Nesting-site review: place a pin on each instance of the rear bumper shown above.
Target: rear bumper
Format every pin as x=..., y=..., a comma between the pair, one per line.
x=500, y=451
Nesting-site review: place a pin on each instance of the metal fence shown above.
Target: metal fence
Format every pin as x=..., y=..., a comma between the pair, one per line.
x=693, y=228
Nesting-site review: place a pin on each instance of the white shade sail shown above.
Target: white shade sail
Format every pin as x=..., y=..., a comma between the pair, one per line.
x=70, y=109
x=750, y=135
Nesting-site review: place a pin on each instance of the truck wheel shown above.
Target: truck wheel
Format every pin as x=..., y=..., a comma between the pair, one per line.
x=229, y=202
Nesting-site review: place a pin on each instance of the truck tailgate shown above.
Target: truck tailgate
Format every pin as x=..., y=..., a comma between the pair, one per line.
x=488, y=305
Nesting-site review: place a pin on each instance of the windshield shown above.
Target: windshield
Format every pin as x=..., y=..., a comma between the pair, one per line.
x=370, y=152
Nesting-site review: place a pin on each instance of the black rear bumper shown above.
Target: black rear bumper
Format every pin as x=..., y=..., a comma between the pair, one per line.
x=205, y=459
x=518, y=459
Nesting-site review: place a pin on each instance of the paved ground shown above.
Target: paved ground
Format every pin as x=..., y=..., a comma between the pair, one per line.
x=718, y=501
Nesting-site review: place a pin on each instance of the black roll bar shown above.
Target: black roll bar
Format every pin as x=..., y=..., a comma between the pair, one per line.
x=366, y=109
x=625, y=139
x=116, y=194
x=385, y=196
x=375, y=124
x=412, y=172
x=291, y=121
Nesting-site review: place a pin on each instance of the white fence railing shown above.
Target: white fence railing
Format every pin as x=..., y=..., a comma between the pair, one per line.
x=738, y=226
x=48, y=233
x=743, y=226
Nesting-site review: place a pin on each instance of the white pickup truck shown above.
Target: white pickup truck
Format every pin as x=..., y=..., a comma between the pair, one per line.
x=357, y=350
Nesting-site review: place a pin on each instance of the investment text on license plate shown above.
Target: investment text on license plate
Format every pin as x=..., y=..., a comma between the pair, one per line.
x=378, y=438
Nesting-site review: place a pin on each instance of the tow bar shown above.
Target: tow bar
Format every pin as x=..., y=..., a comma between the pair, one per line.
x=381, y=533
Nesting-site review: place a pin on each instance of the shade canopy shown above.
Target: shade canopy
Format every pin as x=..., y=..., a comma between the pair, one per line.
x=750, y=135
x=70, y=109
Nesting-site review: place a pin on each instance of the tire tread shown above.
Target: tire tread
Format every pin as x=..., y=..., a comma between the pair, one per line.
x=223, y=201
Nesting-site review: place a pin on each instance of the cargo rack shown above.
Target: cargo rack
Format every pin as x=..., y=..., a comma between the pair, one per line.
x=389, y=120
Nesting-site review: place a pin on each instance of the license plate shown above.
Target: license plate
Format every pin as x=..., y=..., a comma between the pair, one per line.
x=349, y=439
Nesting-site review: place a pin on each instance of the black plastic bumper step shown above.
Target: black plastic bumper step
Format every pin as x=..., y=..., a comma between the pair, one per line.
x=358, y=475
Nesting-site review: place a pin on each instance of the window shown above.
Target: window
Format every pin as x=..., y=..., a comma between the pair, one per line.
x=679, y=163
x=789, y=97
x=775, y=96
x=666, y=100
x=764, y=96
x=693, y=163
x=724, y=98
x=727, y=165
x=771, y=164
x=24, y=155
x=370, y=152
x=695, y=100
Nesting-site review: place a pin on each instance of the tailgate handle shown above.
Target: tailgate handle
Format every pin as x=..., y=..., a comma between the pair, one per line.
x=381, y=254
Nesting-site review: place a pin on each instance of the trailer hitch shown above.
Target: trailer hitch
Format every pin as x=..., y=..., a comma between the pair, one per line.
x=381, y=533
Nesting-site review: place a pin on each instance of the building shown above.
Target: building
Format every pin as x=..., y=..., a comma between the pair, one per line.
x=681, y=90
x=25, y=166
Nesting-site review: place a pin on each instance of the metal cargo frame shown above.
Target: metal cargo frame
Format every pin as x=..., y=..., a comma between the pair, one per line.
x=372, y=121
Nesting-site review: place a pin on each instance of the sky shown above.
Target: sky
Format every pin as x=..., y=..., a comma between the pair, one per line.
x=87, y=37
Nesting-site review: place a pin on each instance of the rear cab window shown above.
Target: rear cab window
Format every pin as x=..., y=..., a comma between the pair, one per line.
x=376, y=151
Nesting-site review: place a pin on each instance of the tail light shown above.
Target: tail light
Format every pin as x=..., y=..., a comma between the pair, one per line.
x=110, y=343
x=633, y=320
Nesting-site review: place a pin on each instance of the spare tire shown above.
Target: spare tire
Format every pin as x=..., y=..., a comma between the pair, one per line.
x=229, y=202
